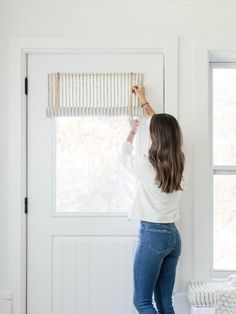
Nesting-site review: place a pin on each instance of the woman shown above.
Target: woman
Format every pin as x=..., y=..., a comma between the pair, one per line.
x=156, y=205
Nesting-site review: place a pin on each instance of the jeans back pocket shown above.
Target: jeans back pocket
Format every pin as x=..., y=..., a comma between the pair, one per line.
x=159, y=239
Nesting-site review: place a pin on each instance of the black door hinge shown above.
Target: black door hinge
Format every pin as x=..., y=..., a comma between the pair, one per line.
x=26, y=85
x=26, y=205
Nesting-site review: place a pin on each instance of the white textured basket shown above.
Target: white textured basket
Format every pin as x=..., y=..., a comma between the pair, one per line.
x=212, y=297
x=202, y=310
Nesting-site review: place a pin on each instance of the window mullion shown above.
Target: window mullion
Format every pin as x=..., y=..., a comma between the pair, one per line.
x=228, y=170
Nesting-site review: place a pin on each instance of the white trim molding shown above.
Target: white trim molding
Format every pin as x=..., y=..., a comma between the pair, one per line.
x=19, y=48
x=5, y=302
x=204, y=51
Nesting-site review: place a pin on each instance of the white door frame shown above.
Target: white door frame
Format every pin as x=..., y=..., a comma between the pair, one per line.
x=19, y=48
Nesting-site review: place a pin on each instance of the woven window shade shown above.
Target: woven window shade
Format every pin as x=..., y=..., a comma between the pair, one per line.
x=93, y=94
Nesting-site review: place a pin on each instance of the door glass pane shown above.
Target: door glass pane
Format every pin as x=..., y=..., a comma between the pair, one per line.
x=224, y=116
x=89, y=177
x=224, y=247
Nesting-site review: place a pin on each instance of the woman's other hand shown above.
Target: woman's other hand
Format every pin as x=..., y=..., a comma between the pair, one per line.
x=134, y=123
x=139, y=90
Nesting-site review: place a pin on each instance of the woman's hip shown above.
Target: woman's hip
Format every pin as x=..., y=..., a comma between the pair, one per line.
x=159, y=238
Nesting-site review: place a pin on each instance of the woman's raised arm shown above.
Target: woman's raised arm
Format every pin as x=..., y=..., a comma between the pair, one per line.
x=139, y=90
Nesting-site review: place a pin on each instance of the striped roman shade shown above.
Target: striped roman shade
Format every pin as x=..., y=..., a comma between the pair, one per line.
x=93, y=94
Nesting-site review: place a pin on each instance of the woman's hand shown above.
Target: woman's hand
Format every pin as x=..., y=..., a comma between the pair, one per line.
x=139, y=90
x=134, y=123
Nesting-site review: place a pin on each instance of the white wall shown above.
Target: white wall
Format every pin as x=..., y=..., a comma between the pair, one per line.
x=186, y=19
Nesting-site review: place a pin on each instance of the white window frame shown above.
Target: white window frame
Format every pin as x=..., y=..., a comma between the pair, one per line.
x=219, y=169
x=19, y=48
x=205, y=51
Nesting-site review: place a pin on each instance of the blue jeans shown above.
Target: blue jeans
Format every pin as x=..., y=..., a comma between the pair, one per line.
x=156, y=257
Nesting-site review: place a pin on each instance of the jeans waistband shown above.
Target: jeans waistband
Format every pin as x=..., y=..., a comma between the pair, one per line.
x=168, y=225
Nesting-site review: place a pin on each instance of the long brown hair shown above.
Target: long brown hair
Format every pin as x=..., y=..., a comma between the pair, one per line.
x=165, y=152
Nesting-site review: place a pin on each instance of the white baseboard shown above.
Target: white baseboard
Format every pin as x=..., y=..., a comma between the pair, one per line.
x=5, y=302
x=181, y=304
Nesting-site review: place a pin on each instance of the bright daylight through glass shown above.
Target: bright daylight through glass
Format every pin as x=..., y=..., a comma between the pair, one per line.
x=89, y=177
x=224, y=154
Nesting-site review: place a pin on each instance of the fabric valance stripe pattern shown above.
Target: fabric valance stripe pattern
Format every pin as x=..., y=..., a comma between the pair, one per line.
x=88, y=94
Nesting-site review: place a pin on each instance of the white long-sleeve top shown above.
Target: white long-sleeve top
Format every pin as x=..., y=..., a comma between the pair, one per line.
x=150, y=203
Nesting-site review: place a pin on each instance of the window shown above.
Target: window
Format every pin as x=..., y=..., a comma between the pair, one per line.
x=223, y=131
x=89, y=177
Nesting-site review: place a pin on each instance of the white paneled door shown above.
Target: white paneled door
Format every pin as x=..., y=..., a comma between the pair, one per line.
x=81, y=244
